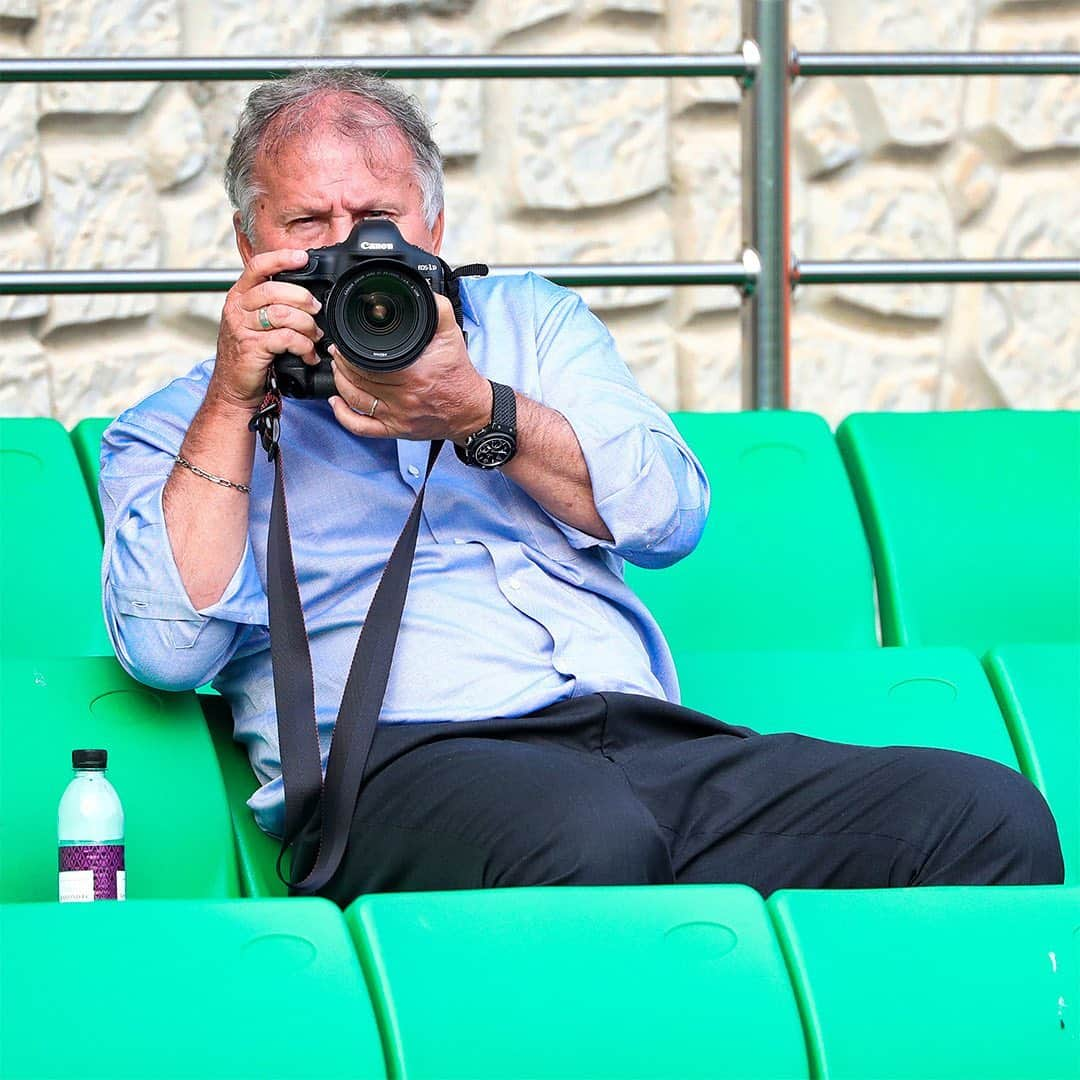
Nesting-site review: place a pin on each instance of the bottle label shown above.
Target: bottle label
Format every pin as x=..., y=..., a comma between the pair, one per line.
x=92, y=872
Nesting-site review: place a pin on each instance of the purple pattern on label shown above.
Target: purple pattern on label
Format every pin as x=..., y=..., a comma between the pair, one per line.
x=104, y=859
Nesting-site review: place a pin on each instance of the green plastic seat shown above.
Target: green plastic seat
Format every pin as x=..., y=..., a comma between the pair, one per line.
x=50, y=546
x=928, y=984
x=579, y=982
x=1038, y=687
x=783, y=562
x=86, y=438
x=256, y=851
x=214, y=990
x=974, y=522
x=873, y=697
x=177, y=830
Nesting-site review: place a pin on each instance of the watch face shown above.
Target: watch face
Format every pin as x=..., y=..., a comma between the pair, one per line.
x=494, y=450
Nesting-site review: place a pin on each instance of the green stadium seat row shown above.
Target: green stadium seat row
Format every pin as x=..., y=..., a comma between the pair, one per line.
x=644, y=982
x=162, y=753
x=973, y=521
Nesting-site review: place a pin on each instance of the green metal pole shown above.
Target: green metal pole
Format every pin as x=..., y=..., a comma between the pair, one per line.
x=765, y=202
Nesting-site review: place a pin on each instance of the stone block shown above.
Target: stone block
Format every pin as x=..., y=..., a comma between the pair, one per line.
x=454, y=106
x=1027, y=113
x=241, y=28
x=92, y=378
x=507, y=19
x=20, y=162
x=837, y=369
x=884, y=212
x=633, y=7
x=588, y=142
x=348, y=8
x=647, y=345
x=909, y=111
x=105, y=28
x=710, y=366
x=639, y=236
x=712, y=26
x=824, y=130
x=24, y=376
x=172, y=138
x=99, y=213
x=708, y=210
x=1030, y=333
x=970, y=180
x=21, y=249
x=206, y=241
x=470, y=223
x=19, y=9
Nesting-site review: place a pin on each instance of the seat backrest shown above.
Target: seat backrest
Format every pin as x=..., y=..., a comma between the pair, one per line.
x=1038, y=688
x=783, y=562
x=974, y=522
x=86, y=438
x=177, y=830
x=50, y=546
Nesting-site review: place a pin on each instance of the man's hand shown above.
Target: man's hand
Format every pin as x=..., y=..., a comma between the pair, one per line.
x=440, y=396
x=245, y=347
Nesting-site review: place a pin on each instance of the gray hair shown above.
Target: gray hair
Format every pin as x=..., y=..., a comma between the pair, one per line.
x=281, y=109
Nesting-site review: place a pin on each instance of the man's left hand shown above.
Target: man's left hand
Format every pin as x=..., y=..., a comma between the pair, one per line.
x=440, y=396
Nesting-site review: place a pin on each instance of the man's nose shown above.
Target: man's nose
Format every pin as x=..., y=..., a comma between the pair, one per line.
x=341, y=225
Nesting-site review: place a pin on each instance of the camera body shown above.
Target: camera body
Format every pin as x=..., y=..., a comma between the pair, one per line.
x=378, y=307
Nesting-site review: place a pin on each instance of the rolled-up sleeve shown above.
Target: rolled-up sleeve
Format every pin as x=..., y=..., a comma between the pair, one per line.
x=649, y=489
x=159, y=636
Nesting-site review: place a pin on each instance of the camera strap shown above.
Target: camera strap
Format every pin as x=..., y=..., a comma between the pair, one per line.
x=310, y=802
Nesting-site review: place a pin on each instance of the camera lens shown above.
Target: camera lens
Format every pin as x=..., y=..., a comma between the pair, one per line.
x=381, y=316
x=379, y=313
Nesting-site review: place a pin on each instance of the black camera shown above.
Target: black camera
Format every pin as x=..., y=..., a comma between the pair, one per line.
x=377, y=306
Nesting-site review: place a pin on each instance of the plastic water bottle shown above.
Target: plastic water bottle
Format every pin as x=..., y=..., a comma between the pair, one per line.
x=90, y=829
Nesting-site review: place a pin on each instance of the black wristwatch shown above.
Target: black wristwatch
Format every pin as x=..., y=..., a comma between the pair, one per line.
x=494, y=445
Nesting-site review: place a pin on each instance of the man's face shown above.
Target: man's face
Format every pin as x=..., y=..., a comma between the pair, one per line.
x=320, y=185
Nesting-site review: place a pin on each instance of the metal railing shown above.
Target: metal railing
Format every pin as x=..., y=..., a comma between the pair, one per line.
x=765, y=271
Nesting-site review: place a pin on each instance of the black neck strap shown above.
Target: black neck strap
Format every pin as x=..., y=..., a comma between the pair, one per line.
x=311, y=804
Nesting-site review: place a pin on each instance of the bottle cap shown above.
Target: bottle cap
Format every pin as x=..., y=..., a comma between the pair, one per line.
x=89, y=759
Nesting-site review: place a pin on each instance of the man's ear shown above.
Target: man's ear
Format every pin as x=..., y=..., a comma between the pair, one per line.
x=243, y=244
x=437, y=233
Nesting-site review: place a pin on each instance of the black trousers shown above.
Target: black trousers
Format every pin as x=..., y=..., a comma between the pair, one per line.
x=617, y=789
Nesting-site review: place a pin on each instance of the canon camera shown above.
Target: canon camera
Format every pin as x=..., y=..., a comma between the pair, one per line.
x=377, y=306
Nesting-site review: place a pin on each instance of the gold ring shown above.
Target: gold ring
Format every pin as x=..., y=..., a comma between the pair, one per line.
x=264, y=319
x=374, y=406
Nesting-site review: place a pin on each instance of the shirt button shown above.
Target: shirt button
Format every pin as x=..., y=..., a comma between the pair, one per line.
x=458, y=540
x=515, y=584
x=413, y=470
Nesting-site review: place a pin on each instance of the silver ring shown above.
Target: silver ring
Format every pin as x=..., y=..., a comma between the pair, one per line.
x=264, y=319
x=374, y=406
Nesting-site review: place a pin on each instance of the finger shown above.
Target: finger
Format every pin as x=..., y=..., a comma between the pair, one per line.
x=261, y=266
x=446, y=311
x=283, y=317
x=356, y=396
x=279, y=292
x=357, y=423
x=275, y=342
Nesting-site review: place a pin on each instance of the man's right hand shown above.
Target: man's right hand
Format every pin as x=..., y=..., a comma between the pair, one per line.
x=245, y=349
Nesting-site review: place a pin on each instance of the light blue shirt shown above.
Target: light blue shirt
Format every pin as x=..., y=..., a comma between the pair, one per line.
x=509, y=609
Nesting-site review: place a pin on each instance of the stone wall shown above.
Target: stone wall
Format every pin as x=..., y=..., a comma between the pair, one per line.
x=128, y=175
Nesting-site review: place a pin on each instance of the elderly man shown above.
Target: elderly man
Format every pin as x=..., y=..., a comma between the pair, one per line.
x=530, y=732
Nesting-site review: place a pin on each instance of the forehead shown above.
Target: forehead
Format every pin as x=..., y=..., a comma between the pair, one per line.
x=323, y=163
